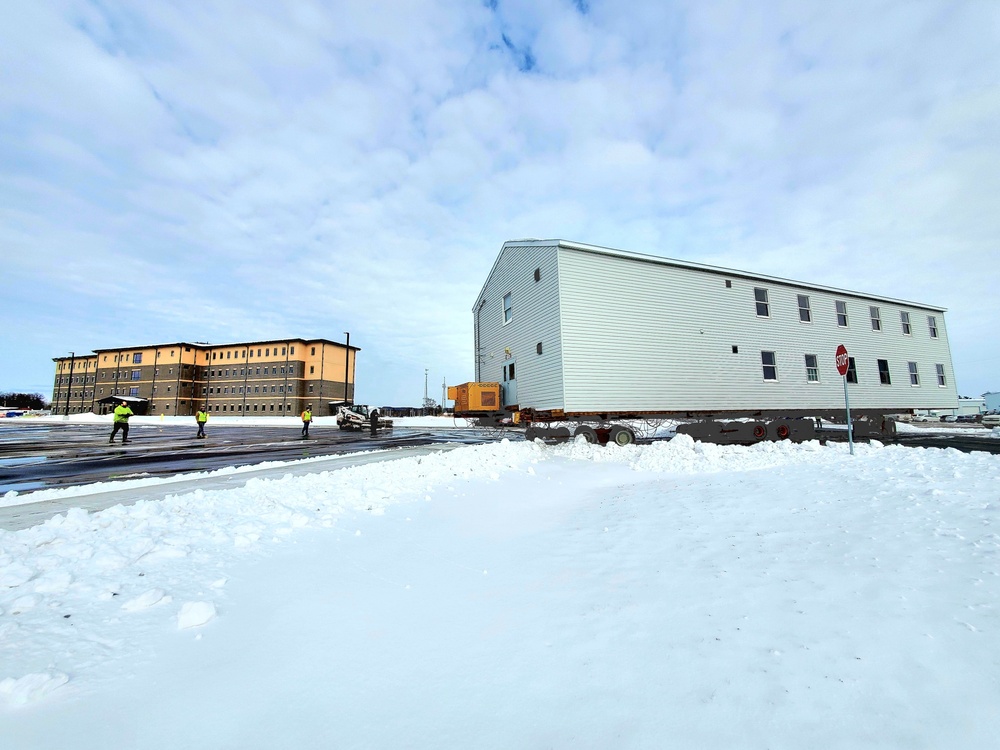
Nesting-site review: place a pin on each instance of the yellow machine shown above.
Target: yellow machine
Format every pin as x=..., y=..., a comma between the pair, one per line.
x=475, y=397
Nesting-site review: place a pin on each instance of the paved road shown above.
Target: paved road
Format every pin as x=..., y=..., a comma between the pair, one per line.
x=40, y=455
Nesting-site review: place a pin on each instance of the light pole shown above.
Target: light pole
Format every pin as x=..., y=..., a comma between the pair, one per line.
x=72, y=359
x=347, y=364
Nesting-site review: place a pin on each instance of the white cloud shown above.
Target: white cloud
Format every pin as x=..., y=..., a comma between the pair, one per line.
x=356, y=165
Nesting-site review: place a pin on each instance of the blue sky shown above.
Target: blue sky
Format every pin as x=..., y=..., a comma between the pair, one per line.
x=221, y=171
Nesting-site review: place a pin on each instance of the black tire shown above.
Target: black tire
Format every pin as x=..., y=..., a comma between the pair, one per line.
x=621, y=435
x=588, y=432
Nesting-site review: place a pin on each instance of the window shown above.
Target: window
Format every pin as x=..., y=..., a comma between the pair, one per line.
x=914, y=375
x=291, y=350
x=282, y=351
x=729, y=284
x=508, y=311
x=770, y=365
x=883, y=372
x=538, y=348
x=736, y=349
x=311, y=369
x=852, y=373
x=310, y=388
x=812, y=368
x=760, y=299
x=841, y=313
x=805, y=313
x=312, y=351
x=258, y=352
x=876, y=316
x=904, y=318
x=538, y=274
x=940, y=375
x=932, y=326
x=137, y=358
x=136, y=374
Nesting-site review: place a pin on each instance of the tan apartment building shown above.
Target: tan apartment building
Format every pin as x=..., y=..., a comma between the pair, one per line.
x=264, y=378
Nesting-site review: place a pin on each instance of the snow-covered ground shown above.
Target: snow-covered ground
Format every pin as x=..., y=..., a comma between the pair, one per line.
x=518, y=595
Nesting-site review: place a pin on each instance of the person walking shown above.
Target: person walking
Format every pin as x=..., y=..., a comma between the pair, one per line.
x=122, y=413
x=307, y=417
x=374, y=420
x=201, y=417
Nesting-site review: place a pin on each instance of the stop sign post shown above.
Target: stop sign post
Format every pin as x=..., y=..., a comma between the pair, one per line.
x=843, y=365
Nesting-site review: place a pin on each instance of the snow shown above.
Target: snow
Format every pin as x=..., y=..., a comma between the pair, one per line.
x=517, y=594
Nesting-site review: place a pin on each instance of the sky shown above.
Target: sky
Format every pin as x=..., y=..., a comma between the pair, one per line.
x=514, y=594
x=233, y=171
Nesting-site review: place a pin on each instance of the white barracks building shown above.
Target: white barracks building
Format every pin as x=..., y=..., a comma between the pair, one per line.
x=578, y=328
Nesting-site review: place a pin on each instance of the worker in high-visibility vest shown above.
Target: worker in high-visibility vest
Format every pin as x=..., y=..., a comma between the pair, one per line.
x=122, y=413
x=201, y=417
x=307, y=417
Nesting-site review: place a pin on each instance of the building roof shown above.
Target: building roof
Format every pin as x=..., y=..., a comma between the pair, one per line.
x=663, y=261
x=204, y=346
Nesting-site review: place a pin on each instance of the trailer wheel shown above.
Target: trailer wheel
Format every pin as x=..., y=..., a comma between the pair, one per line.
x=759, y=431
x=588, y=432
x=783, y=431
x=622, y=435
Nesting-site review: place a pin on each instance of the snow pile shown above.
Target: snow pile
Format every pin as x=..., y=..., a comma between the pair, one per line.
x=677, y=593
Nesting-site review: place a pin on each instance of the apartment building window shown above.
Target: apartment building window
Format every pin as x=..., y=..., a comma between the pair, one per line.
x=940, y=375
x=258, y=371
x=310, y=388
x=137, y=358
x=812, y=368
x=291, y=369
x=311, y=369
x=841, y=313
x=267, y=352
x=291, y=350
x=282, y=370
x=229, y=355
x=508, y=309
x=805, y=312
x=904, y=319
x=932, y=326
x=914, y=375
x=133, y=391
x=760, y=300
x=770, y=365
x=876, y=317
x=852, y=372
x=258, y=352
x=282, y=351
x=136, y=374
x=883, y=372
x=312, y=353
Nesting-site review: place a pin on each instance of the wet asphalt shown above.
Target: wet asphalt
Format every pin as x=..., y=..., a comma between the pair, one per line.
x=49, y=455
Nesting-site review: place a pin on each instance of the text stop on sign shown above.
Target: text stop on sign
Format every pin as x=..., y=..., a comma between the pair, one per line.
x=843, y=361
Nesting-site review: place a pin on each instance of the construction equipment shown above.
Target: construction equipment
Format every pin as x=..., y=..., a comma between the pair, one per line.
x=358, y=417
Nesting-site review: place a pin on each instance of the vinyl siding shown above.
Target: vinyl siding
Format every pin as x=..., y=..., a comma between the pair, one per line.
x=535, y=320
x=643, y=335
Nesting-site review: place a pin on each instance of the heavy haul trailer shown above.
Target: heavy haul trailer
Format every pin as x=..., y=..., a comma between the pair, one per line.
x=590, y=340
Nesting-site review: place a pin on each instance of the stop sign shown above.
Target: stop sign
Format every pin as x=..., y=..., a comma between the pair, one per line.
x=843, y=361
